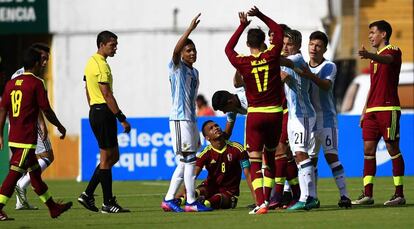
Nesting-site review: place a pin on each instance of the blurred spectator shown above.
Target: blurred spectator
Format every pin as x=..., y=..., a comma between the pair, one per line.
x=203, y=109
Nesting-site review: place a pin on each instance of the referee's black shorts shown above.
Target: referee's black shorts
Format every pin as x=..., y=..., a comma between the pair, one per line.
x=104, y=126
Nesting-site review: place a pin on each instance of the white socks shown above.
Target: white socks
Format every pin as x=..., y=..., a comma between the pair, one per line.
x=183, y=171
x=24, y=181
x=189, y=181
x=339, y=176
x=306, y=175
x=286, y=188
x=176, y=180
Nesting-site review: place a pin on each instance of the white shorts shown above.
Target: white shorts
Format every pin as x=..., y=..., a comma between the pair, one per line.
x=184, y=136
x=327, y=137
x=299, y=130
x=42, y=145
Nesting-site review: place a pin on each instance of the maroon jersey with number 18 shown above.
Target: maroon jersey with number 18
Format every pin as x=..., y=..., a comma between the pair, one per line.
x=22, y=98
x=223, y=166
x=261, y=72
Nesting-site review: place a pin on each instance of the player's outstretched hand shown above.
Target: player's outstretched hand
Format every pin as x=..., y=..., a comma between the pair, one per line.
x=62, y=131
x=1, y=143
x=243, y=19
x=254, y=12
x=195, y=22
x=363, y=53
x=127, y=127
x=303, y=71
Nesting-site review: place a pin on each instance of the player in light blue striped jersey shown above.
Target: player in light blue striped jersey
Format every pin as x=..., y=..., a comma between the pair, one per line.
x=322, y=73
x=183, y=125
x=301, y=119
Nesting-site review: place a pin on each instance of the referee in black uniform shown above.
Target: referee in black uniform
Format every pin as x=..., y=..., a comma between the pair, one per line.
x=104, y=112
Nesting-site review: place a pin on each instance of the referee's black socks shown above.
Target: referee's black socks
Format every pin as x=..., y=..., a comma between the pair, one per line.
x=93, y=182
x=105, y=177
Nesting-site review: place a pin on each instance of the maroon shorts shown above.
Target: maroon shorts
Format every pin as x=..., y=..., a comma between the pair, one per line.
x=208, y=191
x=284, y=136
x=379, y=124
x=23, y=158
x=263, y=130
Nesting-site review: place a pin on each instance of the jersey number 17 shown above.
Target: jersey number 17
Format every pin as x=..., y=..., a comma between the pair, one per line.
x=256, y=70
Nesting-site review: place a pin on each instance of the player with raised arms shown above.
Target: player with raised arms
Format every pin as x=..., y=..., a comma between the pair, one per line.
x=261, y=75
x=184, y=82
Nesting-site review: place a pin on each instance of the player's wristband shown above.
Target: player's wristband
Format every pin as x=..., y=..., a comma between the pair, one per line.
x=120, y=116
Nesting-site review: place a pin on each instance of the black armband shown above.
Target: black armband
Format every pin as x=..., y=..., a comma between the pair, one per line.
x=120, y=116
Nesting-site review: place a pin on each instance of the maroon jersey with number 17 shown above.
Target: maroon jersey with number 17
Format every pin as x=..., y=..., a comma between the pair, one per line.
x=261, y=73
x=22, y=98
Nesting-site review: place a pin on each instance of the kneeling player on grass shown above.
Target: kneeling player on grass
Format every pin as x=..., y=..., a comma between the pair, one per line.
x=224, y=161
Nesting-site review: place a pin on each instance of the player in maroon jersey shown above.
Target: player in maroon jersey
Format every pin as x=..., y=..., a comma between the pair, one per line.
x=224, y=161
x=22, y=99
x=381, y=114
x=261, y=75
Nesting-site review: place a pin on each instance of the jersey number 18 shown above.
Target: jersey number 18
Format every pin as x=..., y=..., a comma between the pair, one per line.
x=16, y=100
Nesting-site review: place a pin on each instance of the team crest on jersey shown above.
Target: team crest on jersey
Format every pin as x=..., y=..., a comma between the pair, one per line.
x=212, y=161
x=229, y=157
x=375, y=68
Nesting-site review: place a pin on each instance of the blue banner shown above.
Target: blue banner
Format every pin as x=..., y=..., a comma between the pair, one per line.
x=146, y=152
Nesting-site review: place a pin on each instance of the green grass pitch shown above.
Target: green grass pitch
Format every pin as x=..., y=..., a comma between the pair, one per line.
x=143, y=199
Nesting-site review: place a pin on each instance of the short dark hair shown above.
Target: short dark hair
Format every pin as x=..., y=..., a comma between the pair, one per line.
x=105, y=37
x=220, y=99
x=255, y=38
x=204, y=125
x=201, y=99
x=318, y=35
x=383, y=26
x=41, y=46
x=30, y=57
x=188, y=41
x=284, y=28
x=295, y=36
